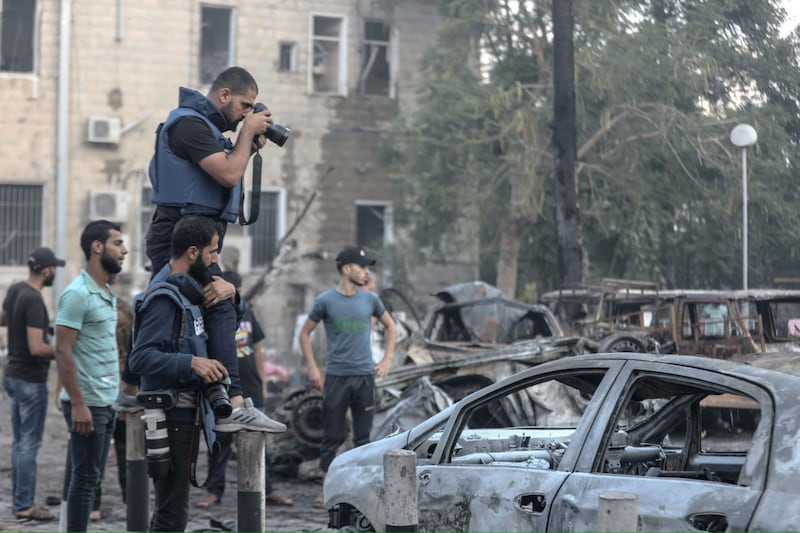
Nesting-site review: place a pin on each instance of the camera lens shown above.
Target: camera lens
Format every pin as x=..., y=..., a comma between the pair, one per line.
x=217, y=395
x=278, y=133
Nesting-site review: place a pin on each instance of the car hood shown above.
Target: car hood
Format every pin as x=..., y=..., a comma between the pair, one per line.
x=371, y=453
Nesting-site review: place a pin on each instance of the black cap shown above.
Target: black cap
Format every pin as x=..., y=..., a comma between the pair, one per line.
x=354, y=254
x=44, y=257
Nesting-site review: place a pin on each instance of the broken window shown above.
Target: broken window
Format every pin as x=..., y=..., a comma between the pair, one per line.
x=328, y=66
x=287, y=61
x=529, y=426
x=18, y=34
x=216, y=41
x=267, y=229
x=374, y=224
x=146, y=210
x=20, y=222
x=677, y=428
x=377, y=65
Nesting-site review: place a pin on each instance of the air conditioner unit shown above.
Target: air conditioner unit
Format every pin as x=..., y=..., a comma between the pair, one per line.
x=108, y=205
x=103, y=130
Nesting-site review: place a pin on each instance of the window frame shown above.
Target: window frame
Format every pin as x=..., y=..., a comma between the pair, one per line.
x=35, y=43
x=231, y=41
x=388, y=220
x=392, y=57
x=341, y=39
x=38, y=234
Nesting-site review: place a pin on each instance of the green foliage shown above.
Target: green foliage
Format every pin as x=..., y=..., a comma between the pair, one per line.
x=660, y=84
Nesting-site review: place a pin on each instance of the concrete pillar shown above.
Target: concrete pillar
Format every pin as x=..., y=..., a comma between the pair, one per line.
x=250, y=464
x=618, y=511
x=137, y=482
x=400, y=490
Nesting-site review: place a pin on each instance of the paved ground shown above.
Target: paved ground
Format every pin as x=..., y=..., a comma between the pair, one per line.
x=300, y=517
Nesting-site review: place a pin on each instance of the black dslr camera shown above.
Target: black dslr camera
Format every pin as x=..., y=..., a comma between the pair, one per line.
x=276, y=133
x=217, y=394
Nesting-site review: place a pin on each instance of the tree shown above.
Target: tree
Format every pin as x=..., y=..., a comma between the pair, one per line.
x=659, y=85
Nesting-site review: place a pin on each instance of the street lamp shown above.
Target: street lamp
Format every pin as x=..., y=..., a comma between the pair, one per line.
x=744, y=135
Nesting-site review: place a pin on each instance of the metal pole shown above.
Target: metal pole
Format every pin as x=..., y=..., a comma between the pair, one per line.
x=618, y=511
x=250, y=468
x=400, y=490
x=137, y=483
x=744, y=218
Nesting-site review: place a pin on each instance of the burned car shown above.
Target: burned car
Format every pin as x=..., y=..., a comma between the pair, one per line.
x=475, y=337
x=715, y=323
x=705, y=444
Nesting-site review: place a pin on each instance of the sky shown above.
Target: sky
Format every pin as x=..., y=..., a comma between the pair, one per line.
x=792, y=7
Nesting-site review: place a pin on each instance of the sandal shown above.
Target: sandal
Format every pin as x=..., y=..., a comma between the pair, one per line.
x=36, y=512
x=319, y=503
x=208, y=501
x=278, y=499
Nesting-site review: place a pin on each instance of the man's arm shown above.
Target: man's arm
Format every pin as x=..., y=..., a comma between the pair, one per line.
x=36, y=345
x=154, y=334
x=68, y=376
x=390, y=336
x=314, y=375
x=228, y=168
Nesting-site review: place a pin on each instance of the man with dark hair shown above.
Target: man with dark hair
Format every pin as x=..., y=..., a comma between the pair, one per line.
x=25, y=378
x=349, y=369
x=86, y=355
x=196, y=170
x=169, y=353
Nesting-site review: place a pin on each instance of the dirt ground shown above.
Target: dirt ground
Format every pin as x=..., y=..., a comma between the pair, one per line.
x=302, y=516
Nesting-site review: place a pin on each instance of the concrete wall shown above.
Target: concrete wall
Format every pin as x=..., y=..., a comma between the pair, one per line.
x=127, y=60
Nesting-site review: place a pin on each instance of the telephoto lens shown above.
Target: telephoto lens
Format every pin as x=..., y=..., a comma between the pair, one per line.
x=156, y=440
x=277, y=133
x=217, y=394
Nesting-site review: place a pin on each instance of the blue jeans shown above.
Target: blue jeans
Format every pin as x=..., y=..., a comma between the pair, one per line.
x=28, y=412
x=88, y=454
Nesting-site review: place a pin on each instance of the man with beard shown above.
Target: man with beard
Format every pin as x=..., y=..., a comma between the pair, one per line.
x=169, y=353
x=196, y=170
x=25, y=378
x=86, y=356
x=349, y=368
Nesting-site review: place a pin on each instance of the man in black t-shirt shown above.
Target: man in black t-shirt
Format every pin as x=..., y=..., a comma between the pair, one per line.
x=25, y=378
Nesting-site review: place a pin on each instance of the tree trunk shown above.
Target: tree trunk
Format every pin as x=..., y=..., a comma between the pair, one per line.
x=508, y=258
x=570, y=248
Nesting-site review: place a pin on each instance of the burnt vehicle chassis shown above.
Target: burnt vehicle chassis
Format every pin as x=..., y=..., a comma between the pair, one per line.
x=473, y=339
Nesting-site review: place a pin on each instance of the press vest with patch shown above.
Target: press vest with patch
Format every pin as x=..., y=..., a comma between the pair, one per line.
x=192, y=337
x=179, y=182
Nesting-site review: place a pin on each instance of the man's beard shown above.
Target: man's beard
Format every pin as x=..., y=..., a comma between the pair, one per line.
x=198, y=270
x=109, y=264
x=48, y=281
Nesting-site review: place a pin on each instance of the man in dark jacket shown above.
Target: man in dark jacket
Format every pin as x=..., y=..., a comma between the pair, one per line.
x=169, y=354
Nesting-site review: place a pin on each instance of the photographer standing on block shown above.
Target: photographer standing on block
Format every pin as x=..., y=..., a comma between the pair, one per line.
x=169, y=353
x=196, y=170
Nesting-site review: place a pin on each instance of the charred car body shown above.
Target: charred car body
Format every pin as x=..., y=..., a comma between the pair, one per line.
x=474, y=338
x=645, y=424
x=641, y=318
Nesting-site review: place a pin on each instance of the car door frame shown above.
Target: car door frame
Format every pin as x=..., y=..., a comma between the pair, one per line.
x=576, y=506
x=542, y=484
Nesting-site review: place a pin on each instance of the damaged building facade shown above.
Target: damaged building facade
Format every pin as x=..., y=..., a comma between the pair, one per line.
x=86, y=86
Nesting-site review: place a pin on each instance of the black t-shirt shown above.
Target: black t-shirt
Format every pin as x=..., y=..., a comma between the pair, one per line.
x=24, y=308
x=248, y=334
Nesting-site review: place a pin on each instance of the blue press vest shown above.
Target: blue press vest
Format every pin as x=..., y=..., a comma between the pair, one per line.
x=180, y=183
x=192, y=337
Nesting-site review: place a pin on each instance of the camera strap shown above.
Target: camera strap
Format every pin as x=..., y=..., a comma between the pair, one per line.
x=255, y=194
x=214, y=446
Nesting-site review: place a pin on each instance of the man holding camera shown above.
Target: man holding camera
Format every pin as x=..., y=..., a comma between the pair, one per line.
x=196, y=170
x=169, y=353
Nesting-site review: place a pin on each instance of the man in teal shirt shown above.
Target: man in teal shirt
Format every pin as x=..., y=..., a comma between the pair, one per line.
x=86, y=355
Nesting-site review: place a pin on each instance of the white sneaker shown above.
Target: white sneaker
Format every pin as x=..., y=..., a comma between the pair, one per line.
x=248, y=418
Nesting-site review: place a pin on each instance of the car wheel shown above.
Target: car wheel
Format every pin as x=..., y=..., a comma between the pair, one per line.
x=621, y=344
